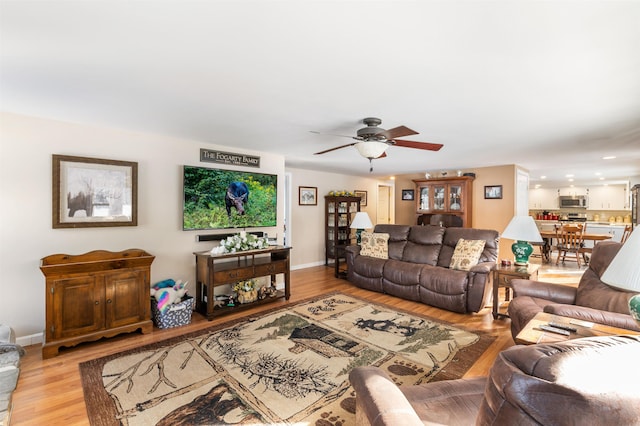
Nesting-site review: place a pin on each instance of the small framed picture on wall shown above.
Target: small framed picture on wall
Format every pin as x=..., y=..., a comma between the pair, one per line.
x=407, y=195
x=363, y=197
x=307, y=196
x=493, y=192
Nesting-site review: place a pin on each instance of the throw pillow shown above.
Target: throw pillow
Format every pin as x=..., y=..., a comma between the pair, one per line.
x=466, y=254
x=374, y=244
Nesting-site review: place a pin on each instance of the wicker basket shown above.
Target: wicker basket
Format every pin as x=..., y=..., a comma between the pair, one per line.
x=247, y=296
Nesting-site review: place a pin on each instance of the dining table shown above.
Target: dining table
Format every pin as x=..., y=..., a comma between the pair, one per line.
x=548, y=236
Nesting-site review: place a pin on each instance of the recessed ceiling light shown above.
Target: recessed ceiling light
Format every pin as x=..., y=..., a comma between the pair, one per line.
x=602, y=178
x=598, y=173
x=538, y=185
x=569, y=175
x=610, y=157
x=571, y=180
x=543, y=177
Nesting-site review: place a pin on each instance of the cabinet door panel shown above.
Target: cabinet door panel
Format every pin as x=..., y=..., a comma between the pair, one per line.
x=125, y=300
x=77, y=307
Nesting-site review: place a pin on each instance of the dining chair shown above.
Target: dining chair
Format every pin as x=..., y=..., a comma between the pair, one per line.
x=626, y=233
x=570, y=240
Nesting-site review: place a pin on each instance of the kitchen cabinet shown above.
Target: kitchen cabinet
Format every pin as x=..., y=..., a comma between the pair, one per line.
x=95, y=295
x=573, y=191
x=543, y=199
x=614, y=230
x=339, y=213
x=453, y=195
x=609, y=197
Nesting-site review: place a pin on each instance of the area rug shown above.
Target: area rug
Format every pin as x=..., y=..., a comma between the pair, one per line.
x=287, y=366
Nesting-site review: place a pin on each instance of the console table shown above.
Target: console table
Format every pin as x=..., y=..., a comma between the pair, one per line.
x=214, y=270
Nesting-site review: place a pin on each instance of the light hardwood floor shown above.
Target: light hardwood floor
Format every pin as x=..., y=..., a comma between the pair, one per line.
x=49, y=391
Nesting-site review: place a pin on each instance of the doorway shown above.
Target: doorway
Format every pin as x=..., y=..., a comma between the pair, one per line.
x=383, y=207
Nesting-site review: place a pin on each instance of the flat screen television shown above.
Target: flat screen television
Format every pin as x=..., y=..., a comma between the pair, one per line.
x=217, y=199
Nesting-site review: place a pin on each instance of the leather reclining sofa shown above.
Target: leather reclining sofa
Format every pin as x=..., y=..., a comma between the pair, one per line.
x=592, y=300
x=417, y=267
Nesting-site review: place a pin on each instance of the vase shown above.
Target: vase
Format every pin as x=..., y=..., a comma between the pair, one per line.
x=247, y=296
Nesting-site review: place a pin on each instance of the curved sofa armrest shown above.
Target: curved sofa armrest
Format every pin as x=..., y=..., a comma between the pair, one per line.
x=351, y=252
x=483, y=268
x=543, y=290
x=379, y=400
x=613, y=319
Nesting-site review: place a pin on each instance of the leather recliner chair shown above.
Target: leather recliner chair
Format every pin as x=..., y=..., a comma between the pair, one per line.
x=592, y=300
x=577, y=382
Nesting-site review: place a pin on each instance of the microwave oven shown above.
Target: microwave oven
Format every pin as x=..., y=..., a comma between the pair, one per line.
x=573, y=201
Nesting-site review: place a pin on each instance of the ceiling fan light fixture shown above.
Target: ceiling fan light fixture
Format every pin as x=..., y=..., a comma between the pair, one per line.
x=371, y=149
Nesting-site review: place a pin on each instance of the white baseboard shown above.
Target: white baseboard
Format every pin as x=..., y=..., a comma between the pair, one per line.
x=307, y=265
x=34, y=339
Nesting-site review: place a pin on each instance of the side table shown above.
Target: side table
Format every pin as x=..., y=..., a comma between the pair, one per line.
x=502, y=277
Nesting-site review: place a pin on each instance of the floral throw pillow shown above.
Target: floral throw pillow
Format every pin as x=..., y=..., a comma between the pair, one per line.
x=466, y=254
x=374, y=244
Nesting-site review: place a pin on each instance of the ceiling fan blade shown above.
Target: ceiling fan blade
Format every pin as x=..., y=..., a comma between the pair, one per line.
x=330, y=134
x=398, y=132
x=333, y=149
x=418, y=145
x=384, y=154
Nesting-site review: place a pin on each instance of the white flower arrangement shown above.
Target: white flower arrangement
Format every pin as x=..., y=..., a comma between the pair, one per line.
x=241, y=242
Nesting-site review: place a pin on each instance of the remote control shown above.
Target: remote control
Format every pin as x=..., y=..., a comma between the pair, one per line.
x=554, y=330
x=563, y=326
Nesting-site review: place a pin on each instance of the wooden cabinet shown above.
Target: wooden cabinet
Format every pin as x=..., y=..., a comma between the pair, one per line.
x=452, y=195
x=339, y=213
x=94, y=295
x=214, y=270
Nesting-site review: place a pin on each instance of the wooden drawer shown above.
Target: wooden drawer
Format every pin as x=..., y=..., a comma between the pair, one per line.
x=271, y=268
x=233, y=275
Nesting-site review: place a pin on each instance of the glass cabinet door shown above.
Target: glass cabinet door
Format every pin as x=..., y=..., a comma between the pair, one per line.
x=438, y=197
x=455, y=197
x=424, y=198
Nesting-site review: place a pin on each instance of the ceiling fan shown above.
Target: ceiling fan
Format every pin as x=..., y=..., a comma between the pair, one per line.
x=372, y=141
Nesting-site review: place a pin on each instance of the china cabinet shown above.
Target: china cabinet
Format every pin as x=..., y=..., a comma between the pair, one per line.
x=339, y=213
x=447, y=195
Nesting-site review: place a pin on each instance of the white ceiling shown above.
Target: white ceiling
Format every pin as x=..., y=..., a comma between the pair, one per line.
x=550, y=85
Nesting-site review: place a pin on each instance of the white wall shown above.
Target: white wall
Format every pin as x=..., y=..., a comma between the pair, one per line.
x=26, y=234
x=307, y=222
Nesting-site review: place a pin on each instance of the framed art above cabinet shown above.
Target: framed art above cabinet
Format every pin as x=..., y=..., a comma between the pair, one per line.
x=93, y=192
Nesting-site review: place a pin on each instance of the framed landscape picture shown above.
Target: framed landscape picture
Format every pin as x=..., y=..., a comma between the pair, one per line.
x=307, y=196
x=93, y=192
x=363, y=197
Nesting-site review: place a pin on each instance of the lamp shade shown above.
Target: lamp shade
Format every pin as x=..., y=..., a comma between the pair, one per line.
x=361, y=221
x=624, y=270
x=522, y=228
x=371, y=149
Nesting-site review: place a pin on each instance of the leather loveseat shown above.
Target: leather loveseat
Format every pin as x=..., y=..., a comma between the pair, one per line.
x=592, y=300
x=591, y=381
x=417, y=267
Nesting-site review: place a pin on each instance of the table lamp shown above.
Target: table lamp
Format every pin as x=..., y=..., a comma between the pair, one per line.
x=360, y=222
x=623, y=272
x=523, y=229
